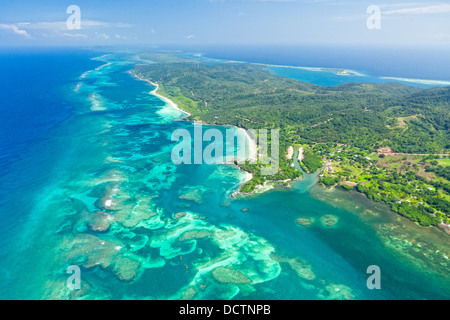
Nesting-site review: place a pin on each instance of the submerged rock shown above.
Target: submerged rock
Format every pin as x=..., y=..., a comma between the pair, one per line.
x=194, y=234
x=90, y=251
x=125, y=268
x=302, y=269
x=133, y=213
x=305, y=221
x=179, y=215
x=337, y=292
x=100, y=221
x=329, y=220
x=189, y=293
x=227, y=275
x=193, y=195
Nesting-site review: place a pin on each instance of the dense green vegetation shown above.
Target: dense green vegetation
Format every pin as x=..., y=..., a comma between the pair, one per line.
x=417, y=214
x=286, y=172
x=441, y=171
x=346, y=187
x=341, y=127
x=311, y=161
x=402, y=181
x=364, y=115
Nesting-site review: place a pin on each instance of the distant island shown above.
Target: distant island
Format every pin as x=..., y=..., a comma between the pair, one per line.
x=388, y=141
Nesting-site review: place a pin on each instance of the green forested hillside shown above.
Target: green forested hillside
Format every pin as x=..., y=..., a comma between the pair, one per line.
x=361, y=114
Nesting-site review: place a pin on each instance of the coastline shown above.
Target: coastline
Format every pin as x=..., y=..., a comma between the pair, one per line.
x=441, y=227
x=419, y=81
x=336, y=71
x=300, y=155
x=252, y=145
x=349, y=72
x=165, y=99
x=252, y=155
x=168, y=101
x=249, y=157
x=340, y=72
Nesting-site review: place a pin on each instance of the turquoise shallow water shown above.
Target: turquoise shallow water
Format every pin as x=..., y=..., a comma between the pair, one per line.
x=141, y=227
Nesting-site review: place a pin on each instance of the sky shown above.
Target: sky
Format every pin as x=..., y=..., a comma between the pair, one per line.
x=225, y=22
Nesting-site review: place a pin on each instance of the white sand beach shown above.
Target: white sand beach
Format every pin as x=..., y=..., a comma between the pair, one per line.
x=248, y=177
x=300, y=155
x=290, y=153
x=166, y=100
x=252, y=154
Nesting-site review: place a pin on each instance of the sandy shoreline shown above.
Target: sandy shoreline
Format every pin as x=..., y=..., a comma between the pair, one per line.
x=252, y=145
x=166, y=100
x=252, y=155
x=290, y=153
x=336, y=71
x=300, y=155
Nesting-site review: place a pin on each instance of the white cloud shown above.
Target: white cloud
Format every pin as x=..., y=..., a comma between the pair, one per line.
x=24, y=28
x=75, y=35
x=395, y=10
x=62, y=25
x=191, y=36
x=102, y=36
x=59, y=28
x=118, y=36
x=15, y=29
x=431, y=9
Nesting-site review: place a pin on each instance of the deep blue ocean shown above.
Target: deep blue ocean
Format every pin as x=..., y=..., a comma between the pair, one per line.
x=87, y=180
x=34, y=85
